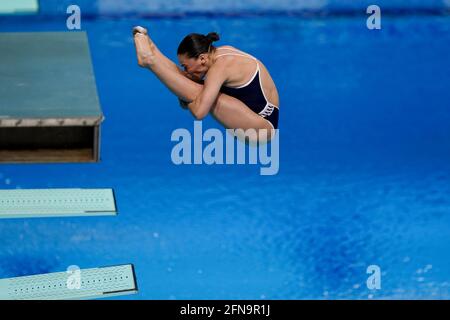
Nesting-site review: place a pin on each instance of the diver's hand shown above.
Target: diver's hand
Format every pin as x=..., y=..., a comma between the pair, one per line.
x=139, y=29
x=183, y=104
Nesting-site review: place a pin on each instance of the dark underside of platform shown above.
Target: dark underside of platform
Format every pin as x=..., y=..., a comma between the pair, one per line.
x=49, y=144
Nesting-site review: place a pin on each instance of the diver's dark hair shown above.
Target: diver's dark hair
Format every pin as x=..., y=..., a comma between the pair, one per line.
x=195, y=44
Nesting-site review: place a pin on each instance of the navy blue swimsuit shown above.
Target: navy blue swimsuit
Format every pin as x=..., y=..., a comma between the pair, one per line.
x=252, y=94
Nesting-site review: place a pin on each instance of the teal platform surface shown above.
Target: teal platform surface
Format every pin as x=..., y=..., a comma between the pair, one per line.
x=47, y=76
x=18, y=7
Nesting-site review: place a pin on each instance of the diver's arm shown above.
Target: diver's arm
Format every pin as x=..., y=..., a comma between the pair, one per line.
x=217, y=75
x=185, y=104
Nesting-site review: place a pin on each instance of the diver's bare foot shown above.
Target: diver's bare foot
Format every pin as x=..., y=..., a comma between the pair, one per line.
x=151, y=53
x=146, y=49
x=139, y=29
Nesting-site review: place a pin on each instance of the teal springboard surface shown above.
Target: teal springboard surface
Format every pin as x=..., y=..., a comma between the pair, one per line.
x=47, y=75
x=44, y=203
x=76, y=284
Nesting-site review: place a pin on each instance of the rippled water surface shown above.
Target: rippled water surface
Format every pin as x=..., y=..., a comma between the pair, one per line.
x=364, y=168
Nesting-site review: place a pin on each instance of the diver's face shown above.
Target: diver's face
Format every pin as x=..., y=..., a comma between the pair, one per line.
x=195, y=67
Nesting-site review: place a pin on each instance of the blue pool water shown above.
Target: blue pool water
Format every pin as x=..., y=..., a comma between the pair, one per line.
x=364, y=167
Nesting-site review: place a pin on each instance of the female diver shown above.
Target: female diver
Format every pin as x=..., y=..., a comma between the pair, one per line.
x=231, y=85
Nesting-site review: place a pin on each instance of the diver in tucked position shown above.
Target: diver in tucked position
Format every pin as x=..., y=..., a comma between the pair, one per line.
x=233, y=86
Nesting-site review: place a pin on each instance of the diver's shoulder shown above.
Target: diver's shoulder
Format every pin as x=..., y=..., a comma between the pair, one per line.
x=231, y=48
x=226, y=47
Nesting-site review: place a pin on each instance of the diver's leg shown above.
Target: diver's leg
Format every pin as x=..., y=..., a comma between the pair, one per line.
x=234, y=114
